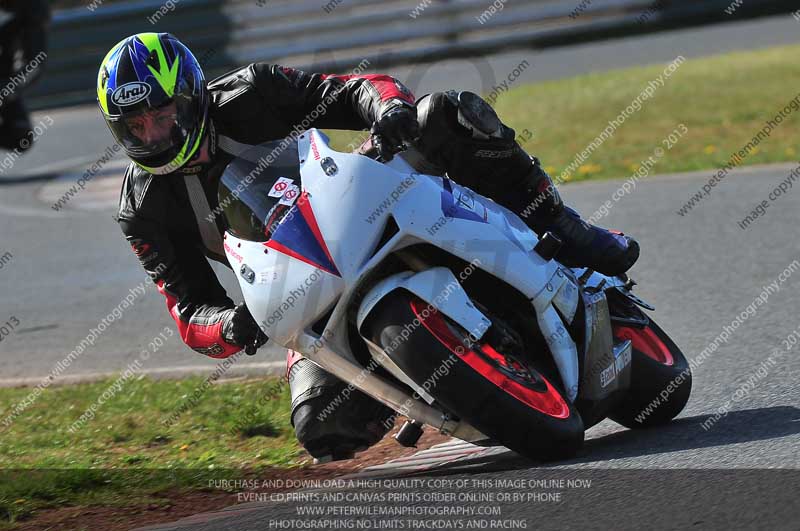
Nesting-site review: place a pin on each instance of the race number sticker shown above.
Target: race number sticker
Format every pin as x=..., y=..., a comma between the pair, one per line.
x=280, y=187
x=290, y=196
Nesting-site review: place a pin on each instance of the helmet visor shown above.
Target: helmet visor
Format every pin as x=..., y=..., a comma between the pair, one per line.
x=156, y=136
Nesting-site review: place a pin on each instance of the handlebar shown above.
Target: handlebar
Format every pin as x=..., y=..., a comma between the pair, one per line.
x=368, y=149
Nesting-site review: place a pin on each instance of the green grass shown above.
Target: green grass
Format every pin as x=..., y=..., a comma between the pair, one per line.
x=127, y=452
x=723, y=101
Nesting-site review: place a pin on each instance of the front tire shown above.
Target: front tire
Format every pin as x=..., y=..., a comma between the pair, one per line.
x=661, y=380
x=510, y=401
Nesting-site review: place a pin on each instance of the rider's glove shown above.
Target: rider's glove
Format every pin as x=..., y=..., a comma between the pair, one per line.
x=242, y=330
x=396, y=127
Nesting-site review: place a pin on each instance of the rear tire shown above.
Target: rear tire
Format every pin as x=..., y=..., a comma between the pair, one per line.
x=661, y=380
x=513, y=404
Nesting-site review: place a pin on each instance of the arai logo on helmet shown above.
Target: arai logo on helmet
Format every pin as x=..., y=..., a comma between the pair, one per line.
x=130, y=93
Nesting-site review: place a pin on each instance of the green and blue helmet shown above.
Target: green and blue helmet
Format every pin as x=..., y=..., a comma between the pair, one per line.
x=149, y=71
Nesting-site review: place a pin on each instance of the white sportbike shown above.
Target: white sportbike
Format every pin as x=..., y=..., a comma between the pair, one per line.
x=440, y=303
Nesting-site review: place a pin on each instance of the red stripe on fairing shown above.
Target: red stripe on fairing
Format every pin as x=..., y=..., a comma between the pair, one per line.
x=304, y=205
x=549, y=402
x=385, y=85
x=272, y=244
x=647, y=342
x=195, y=335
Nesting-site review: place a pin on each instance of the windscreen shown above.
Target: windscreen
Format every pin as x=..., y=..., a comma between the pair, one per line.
x=258, y=188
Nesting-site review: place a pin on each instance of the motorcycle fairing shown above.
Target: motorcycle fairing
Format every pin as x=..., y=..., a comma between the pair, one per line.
x=292, y=288
x=437, y=286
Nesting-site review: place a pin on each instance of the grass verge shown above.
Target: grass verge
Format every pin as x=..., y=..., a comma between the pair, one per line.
x=142, y=440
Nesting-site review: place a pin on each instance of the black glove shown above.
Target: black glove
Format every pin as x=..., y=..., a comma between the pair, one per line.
x=396, y=127
x=242, y=330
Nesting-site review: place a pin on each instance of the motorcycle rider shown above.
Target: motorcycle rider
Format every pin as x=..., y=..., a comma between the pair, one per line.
x=23, y=40
x=180, y=133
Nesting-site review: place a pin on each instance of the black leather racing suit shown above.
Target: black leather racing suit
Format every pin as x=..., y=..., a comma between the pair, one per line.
x=23, y=25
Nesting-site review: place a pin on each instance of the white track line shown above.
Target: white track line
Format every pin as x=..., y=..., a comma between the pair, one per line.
x=255, y=369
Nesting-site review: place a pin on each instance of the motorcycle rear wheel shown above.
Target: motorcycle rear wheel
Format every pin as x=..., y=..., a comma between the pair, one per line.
x=661, y=379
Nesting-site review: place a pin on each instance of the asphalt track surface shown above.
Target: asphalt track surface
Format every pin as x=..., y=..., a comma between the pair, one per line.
x=70, y=269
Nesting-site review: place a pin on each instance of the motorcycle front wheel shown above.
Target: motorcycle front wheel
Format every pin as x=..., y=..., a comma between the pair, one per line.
x=503, y=396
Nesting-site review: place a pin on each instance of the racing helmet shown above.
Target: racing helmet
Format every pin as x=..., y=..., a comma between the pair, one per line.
x=153, y=81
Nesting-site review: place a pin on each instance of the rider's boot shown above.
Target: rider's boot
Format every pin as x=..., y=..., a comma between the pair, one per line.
x=584, y=245
x=332, y=420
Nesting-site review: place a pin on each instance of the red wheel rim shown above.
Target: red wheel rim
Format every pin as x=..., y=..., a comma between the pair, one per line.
x=647, y=342
x=549, y=401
